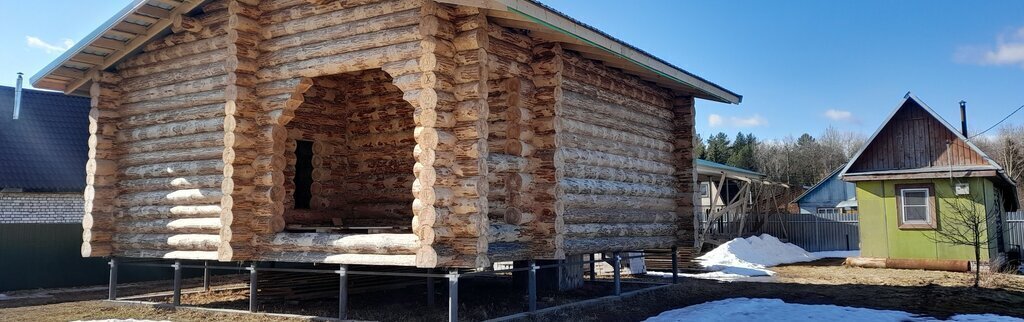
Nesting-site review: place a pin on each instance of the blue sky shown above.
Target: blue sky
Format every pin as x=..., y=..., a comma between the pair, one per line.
x=800, y=65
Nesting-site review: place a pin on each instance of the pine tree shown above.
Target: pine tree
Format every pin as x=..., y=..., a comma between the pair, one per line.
x=741, y=153
x=699, y=147
x=718, y=148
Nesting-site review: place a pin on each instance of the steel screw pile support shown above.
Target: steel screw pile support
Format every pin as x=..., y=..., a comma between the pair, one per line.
x=206, y=276
x=675, y=265
x=112, y=291
x=616, y=260
x=252, y=287
x=176, y=298
x=343, y=292
x=532, y=287
x=453, y=295
x=593, y=267
x=430, y=289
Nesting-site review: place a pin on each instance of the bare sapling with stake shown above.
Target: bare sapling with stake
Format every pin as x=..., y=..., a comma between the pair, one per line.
x=965, y=222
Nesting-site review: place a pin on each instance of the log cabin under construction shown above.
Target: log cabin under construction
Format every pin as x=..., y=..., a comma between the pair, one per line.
x=447, y=133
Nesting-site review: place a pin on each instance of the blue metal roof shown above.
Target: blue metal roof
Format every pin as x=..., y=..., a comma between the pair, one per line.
x=46, y=148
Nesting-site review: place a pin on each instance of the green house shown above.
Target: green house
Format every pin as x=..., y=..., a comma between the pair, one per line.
x=917, y=179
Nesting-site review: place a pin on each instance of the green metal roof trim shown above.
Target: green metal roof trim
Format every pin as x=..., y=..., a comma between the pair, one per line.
x=729, y=168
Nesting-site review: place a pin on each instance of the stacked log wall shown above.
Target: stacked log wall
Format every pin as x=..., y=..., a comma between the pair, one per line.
x=250, y=186
x=98, y=221
x=684, y=131
x=378, y=179
x=543, y=205
x=465, y=228
x=309, y=39
x=510, y=95
x=616, y=139
x=170, y=142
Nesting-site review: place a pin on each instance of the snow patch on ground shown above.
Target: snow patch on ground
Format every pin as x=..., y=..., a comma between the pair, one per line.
x=744, y=309
x=742, y=258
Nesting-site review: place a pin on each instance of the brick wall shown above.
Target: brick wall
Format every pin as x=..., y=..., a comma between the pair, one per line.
x=40, y=207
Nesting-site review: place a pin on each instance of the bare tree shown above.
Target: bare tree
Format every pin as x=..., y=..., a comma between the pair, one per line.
x=1007, y=149
x=965, y=223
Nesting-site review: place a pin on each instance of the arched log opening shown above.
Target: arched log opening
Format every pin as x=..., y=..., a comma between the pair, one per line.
x=348, y=155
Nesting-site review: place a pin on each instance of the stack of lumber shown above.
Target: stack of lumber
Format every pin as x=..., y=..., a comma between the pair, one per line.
x=661, y=259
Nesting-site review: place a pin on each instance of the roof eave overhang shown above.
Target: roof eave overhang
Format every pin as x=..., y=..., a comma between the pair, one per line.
x=527, y=11
x=875, y=176
x=662, y=72
x=59, y=76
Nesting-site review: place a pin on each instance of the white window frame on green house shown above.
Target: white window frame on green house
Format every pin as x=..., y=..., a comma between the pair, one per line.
x=929, y=221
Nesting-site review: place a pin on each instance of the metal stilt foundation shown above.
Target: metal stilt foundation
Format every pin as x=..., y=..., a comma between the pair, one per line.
x=343, y=292
x=593, y=267
x=176, y=298
x=112, y=291
x=675, y=265
x=252, y=288
x=430, y=289
x=206, y=276
x=532, y=288
x=453, y=295
x=616, y=268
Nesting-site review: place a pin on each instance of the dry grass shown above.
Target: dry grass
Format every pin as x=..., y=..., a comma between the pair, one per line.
x=97, y=310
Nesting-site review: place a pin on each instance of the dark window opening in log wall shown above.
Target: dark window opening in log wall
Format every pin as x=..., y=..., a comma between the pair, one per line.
x=303, y=174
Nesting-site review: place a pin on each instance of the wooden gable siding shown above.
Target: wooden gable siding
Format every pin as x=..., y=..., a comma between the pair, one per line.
x=914, y=139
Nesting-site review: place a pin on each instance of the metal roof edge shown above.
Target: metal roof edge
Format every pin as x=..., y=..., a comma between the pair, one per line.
x=728, y=168
x=92, y=36
x=819, y=183
x=874, y=135
x=626, y=51
x=955, y=132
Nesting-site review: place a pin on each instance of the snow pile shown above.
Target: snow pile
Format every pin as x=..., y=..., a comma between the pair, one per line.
x=744, y=309
x=752, y=255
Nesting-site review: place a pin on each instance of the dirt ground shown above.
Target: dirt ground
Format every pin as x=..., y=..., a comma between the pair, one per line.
x=938, y=294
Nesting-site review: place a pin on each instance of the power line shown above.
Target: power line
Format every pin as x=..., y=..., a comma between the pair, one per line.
x=997, y=123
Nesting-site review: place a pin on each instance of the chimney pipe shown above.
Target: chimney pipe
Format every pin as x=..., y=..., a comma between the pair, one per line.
x=17, y=97
x=963, y=118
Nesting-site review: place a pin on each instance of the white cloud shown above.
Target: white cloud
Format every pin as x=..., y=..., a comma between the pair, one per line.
x=49, y=48
x=715, y=120
x=839, y=115
x=1008, y=50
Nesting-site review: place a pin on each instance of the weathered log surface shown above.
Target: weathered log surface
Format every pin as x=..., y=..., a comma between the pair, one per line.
x=488, y=143
x=381, y=244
